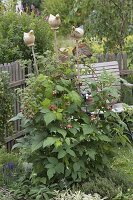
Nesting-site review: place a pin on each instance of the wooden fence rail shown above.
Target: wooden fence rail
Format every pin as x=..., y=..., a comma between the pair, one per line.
x=17, y=80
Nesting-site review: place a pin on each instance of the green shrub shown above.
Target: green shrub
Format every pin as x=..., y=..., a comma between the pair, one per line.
x=62, y=141
x=12, y=27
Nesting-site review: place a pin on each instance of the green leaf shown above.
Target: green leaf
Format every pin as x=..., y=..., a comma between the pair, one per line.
x=37, y=142
x=44, y=110
x=71, y=152
x=50, y=173
x=61, y=154
x=104, y=138
x=76, y=166
x=60, y=88
x=91, y=153
x=49, y=91
x=73, y=131
x=53, y=160
x=49, y=141
x=59, y=168
x=62, y=132
x=87, y=129
x=49, y=117
x=48, y=166
x=46, y=103
x=67, y=140
x=36, y=146
x=66, y=82
x=74, y=96
x=59, y=116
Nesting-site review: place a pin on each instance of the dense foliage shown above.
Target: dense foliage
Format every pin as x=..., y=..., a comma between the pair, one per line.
x=62, y=142
x=6, y=102
x=12, y=27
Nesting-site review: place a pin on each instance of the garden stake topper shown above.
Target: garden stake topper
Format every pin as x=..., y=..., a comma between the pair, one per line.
x=54, y=22
x=29, y=40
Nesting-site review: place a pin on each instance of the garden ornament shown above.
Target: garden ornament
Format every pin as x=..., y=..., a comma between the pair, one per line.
x=77, y=33
x=29, y=40
x=54, y=22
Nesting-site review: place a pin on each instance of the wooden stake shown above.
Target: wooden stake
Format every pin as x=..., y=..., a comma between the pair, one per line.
x=35, y=64
x=78, y=68
x=55, y=44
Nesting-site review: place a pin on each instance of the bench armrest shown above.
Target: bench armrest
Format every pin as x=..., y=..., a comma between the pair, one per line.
x=125, y=83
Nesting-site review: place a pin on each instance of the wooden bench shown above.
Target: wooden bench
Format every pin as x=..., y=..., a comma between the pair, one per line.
x=96, y=69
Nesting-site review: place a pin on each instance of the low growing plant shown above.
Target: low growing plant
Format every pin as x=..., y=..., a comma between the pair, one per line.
x=77, y=195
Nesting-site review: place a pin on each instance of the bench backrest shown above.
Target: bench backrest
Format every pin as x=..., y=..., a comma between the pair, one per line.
x=111, y=67
x=98, y=68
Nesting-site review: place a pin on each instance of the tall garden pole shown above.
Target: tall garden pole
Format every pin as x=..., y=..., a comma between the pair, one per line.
x=77, y=33
x=54, y=22
x=34, y=58
x=56, y=44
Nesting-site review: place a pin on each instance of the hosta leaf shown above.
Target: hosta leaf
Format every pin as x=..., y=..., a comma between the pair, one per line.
x=49, y=141
x=50, y=173
x=49, y=117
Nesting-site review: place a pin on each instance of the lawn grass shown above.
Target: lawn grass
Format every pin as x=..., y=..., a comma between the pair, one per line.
x=123, y=162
